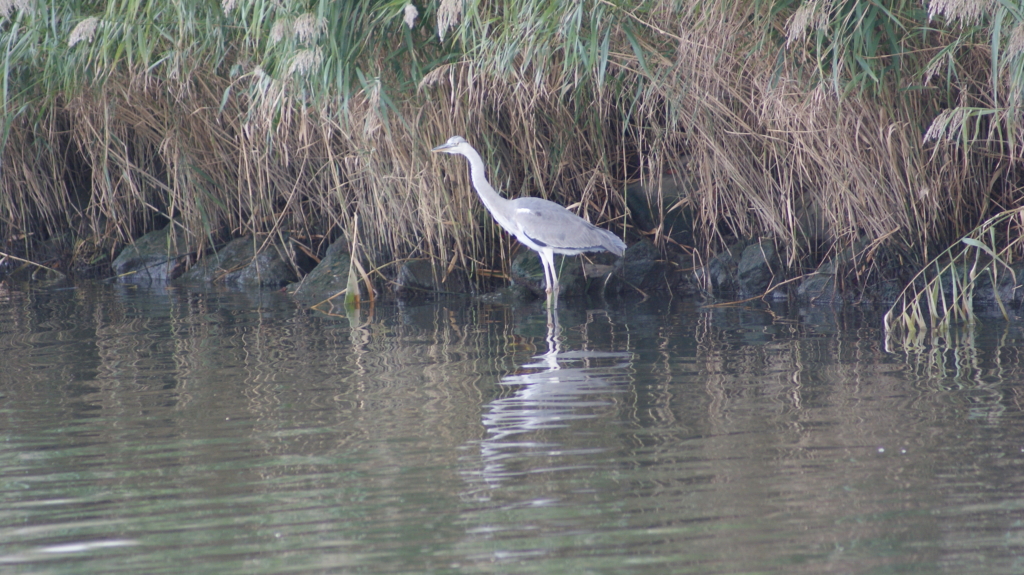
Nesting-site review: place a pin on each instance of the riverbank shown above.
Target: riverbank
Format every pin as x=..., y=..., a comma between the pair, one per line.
x=856, y=142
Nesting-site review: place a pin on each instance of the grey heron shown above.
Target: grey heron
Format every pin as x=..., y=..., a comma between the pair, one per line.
x=543, y=226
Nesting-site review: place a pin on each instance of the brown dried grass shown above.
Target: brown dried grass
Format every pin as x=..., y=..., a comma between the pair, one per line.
x=702, y=91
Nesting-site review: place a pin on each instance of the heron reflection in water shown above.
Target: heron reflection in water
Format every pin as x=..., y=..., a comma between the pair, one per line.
x=557, y=391
x=543, y=226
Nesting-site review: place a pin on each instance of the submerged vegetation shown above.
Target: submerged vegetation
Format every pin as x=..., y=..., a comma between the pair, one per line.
x=883, y=130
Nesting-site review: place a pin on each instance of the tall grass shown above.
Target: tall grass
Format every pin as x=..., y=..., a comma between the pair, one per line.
x=883, y=124
x=942, y=294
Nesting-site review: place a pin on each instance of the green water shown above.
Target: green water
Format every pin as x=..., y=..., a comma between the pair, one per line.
x=147, y=430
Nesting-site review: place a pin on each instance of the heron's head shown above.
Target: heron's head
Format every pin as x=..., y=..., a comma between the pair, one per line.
x=454, y=145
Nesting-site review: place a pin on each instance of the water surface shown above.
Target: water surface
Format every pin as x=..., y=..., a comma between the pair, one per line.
x=159, y=430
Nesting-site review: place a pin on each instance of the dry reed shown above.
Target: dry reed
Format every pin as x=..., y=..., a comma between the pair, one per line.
x=790, y=121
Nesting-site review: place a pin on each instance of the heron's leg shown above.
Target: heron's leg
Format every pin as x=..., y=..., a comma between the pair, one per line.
x=547, y=274
x=550, y=276
x=554, y=281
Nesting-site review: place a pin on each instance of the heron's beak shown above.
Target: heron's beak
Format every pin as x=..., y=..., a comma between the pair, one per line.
x=441, y=148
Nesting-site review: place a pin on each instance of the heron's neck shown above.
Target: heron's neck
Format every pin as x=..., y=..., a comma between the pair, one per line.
x=488, y=196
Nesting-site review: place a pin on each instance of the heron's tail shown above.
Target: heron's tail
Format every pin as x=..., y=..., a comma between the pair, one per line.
x=612, y=242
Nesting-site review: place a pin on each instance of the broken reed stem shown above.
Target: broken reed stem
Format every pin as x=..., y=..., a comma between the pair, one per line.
x=6, y=256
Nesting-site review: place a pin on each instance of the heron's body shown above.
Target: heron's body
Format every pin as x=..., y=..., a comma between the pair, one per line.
x=543, y=226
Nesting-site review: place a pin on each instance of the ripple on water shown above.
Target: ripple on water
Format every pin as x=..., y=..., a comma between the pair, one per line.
x=170, y=431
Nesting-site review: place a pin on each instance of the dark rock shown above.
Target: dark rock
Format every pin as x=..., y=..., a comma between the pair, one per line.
x=420, y=277
x=642, y=268
x=720, y=273
x=416, y=277
x=1010, y=284
x=664, y=203
x=328, y=278
x=885, y=291
x=820, y=286
x=823, y=284
x=988, y=292
x=158, y=256
x=755, y=271
x=238, y=264
x=527, y=271
x=509, y=295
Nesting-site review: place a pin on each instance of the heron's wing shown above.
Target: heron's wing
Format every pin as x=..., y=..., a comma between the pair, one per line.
x=548, y=225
